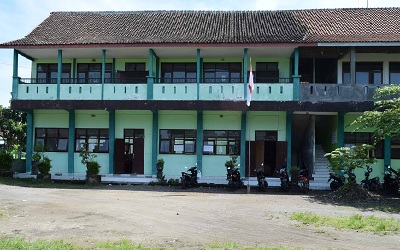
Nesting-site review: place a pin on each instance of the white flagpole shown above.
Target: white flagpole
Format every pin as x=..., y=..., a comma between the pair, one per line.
x=248, y=172
x=250, y=82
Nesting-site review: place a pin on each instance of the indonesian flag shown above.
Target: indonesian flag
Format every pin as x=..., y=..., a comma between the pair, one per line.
x=250, y=85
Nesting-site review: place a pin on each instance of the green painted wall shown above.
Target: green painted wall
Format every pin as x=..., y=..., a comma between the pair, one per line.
x=53, y=119
x=349, y=118
x=126, y=119
x=176, y=163
x=267, y=121
x=377, y=170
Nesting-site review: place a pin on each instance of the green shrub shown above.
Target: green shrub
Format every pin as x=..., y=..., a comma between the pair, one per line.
x=6, y=160
x=44, y=165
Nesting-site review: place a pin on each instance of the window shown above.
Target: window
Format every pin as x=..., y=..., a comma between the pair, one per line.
x=179, y=72
x=359, y=138
x=48, y=73
x=221, y=142
x=366, y=72
x=395, y=148
x=267, y=135
x=92, y=139
x=394, y=73
x=53, y=139
x=129, y=137
x=134, y=73
x=177, y=141
x=222, y=72
x=91, y=72
x=267, y=72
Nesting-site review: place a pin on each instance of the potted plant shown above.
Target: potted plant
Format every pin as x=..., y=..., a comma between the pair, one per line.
x=44, y=166
x=160, y=167
x=294, y=174
x=41, y=162
x=232, y=162
x=92, y=166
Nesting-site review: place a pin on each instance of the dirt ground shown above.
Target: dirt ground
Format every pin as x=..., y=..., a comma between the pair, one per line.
x=160, y=216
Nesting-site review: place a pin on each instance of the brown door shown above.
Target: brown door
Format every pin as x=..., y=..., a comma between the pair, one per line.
x=281, y=154
x=138, y=159
x=119, y=156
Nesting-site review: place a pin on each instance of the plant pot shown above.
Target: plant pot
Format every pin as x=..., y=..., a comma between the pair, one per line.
x=93, y=179
x=44, y=177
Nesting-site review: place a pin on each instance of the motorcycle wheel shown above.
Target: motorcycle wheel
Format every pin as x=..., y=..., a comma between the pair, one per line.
x=334, y=186
x=231, y=185
x=285, y=186
x=265, y=186
x=183, y=183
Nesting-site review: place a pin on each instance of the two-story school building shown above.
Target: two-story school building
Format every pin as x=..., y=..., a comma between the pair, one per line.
x=137, y=86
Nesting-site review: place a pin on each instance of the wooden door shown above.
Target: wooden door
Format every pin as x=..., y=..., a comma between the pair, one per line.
x=119, y=156
x=138, y=159
x=281, y=154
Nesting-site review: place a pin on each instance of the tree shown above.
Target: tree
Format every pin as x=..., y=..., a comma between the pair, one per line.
x=385, y=118
x=12, y=127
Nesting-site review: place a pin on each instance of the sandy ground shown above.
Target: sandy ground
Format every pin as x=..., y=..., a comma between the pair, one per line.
x=172, y=218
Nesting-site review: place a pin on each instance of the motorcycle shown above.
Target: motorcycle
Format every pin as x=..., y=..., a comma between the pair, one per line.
x=337, y=181
x=233, y=177
x=262, y=182
x=284, y=177
x=304, y=180
x=391, y=184
x=370, y=184
x=189, y=178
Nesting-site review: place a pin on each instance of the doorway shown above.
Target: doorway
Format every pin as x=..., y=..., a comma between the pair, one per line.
x=129, y=152
x=266, y=150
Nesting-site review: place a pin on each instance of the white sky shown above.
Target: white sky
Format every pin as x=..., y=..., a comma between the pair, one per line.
x=19, y=17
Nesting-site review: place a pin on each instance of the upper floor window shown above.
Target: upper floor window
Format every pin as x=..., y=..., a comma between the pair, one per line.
x=91, y=72
x=177, y=141
x=267, y=72
x=48, y=73
x=134, y=73
x=359, y=138
x=52, y=139
x=179, y=72
x=366, y=72
x=222, y=72
x=92, y=139
x=394, y=73
x=221, y=142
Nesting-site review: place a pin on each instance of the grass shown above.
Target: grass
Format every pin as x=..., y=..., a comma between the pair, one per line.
x=2, y=214
x=122, y=245
x=22, y=244
x=387, y=208
x=355, y=222
x=232, y=245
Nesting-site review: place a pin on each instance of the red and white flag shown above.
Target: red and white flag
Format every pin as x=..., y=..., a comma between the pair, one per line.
x=250, y=85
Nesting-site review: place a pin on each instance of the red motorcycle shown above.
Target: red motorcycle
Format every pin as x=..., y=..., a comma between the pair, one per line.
x=304, y=180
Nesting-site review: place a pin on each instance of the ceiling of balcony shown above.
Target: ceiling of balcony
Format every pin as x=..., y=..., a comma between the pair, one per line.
x=161, y=52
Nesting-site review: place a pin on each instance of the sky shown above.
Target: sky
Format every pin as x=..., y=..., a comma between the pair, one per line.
x=19, y=17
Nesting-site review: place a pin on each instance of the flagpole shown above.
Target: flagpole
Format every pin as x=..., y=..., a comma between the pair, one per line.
x=248, y=172
x=250, y=90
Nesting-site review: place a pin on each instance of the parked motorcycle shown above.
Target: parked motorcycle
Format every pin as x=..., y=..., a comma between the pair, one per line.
x=284, y=177
x=262, y=182
x=233, y=177
x=370, y=184
x=304, y=180
x=337, y=181
x=391, y=184
x=189, y=178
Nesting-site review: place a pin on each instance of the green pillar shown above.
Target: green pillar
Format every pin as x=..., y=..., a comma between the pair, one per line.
x=198, y=73
x=59, y=73
x=154, y=152
x=74, y=70
x=150, y=78
x=111, y=140
x=29, y=140
x=296, y=76
x=103, y=72
x=340, y=131
x=113, y=70
x=15, y=83
x=157, y=69
x=387, y=151
x=243, y=130
x=199, y=140
x=245, y=69
x=289, y=116
x=71, y=141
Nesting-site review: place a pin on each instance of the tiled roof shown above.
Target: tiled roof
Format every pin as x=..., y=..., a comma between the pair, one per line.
x=305, y=26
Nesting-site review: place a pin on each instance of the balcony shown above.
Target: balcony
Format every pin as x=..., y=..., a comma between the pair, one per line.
x=321, y=92
x=279, y=89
